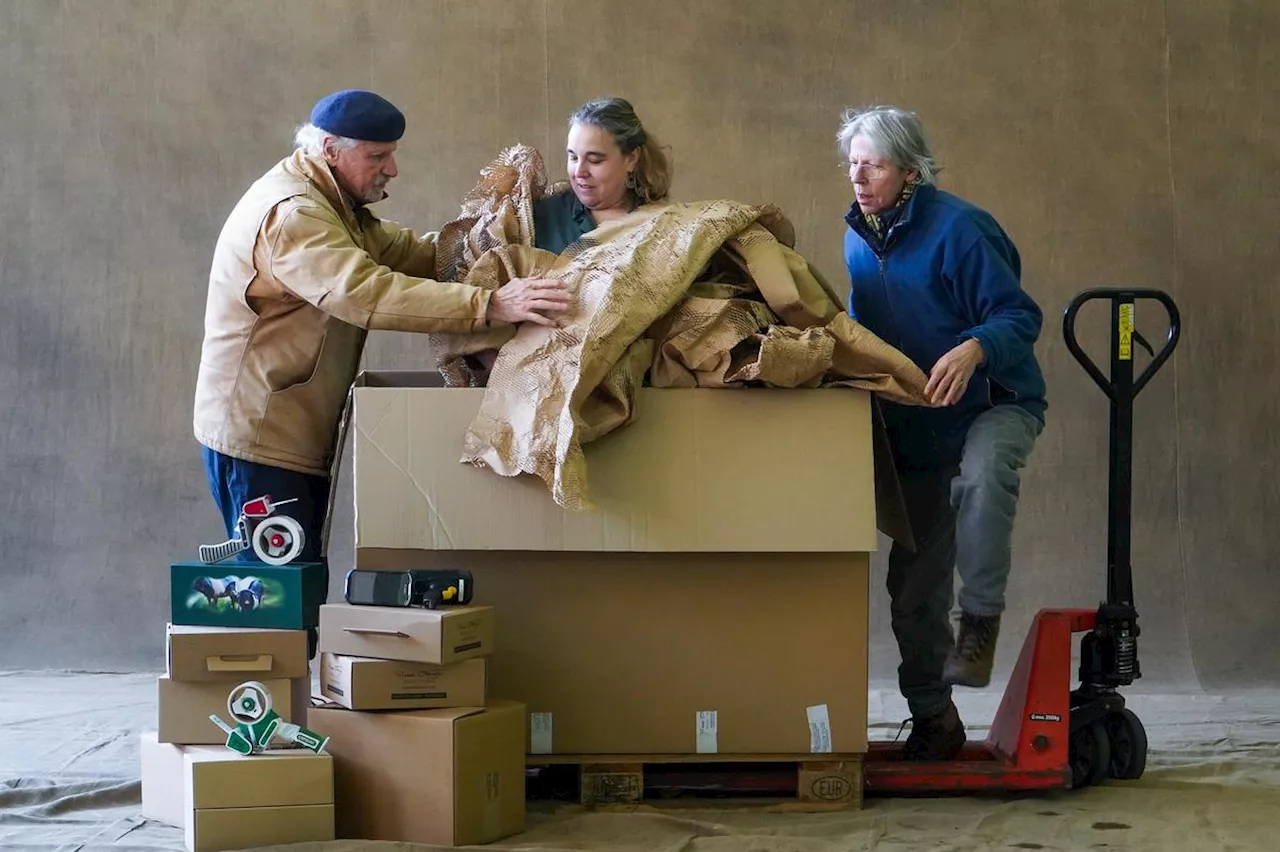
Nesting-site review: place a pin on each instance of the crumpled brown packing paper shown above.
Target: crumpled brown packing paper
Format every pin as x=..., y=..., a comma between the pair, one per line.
x=698, y=294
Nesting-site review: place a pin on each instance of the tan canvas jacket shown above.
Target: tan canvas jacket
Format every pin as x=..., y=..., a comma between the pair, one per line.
x=297, y=280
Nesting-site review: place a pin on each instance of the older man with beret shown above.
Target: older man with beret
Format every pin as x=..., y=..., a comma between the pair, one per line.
x=301, y=272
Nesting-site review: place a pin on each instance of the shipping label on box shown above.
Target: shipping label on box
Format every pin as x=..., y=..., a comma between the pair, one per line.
x=410, y=634
x=204, y=654
x=359, y=683
x=247, y=594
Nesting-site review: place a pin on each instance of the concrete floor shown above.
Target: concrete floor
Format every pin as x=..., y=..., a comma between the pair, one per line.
x=69, y=780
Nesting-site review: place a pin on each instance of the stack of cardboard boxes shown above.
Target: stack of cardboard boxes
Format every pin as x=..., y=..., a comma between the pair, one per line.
x=713, y=603
x=422, y=754
x=230, y=627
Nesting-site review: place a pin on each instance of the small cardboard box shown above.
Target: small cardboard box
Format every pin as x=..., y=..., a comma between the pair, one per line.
x=162, y=773
x=446, y=777
x=183, y=708
x=247, y=594
x=204, y=654
x=409, y=634
x=359, y=683
x=231, y=801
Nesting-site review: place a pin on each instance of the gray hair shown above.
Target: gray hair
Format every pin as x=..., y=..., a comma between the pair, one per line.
x=310, y=139
x=615, y=115
x=896, y=133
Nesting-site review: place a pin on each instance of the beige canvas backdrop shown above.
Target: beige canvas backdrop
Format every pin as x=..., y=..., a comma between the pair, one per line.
x=1119, y=143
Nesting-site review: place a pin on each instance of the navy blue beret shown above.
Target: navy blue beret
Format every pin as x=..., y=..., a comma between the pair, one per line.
x=358, y=114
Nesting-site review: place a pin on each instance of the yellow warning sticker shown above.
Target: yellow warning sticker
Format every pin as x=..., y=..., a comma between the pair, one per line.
x=1126, y=331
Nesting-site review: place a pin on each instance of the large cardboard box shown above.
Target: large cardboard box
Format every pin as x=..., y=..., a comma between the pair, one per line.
x=219, y=654
x=715, y=600
x=236, y=802
x=679, y=653
x=359, y=683
x=698, y=470
x=446, y=777
x=410, y=634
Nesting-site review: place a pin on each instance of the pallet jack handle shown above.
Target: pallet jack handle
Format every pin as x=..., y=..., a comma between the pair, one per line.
x=1123, y=335
x=1121, y=388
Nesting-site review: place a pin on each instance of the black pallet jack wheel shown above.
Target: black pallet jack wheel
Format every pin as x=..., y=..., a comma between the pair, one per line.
x=1128, y=745
x=1089, y=752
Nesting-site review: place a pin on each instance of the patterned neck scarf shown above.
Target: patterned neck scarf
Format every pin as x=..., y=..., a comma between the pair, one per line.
x=882, y=221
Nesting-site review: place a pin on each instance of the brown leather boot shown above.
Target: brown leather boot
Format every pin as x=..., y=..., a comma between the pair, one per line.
x=970, y=661
x=937, y=737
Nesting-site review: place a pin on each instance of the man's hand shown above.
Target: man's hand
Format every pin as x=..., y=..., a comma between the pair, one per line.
x=535, y=300
x=950, y=375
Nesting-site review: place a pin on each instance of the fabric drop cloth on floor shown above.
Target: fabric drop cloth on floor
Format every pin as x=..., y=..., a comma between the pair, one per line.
x=69, y=780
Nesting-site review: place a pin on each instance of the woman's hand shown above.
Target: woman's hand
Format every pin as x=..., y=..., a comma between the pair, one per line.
x=950, y=375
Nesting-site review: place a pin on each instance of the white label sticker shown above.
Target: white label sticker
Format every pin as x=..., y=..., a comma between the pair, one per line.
x=819, y=729
x=707, y=732
x=540, y=733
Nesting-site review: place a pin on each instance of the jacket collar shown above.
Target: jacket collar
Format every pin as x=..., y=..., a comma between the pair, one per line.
x=316, y=172
x=855, y=220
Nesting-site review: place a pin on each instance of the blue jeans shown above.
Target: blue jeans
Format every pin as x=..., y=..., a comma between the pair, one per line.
x=234, y=482
x=963, y=519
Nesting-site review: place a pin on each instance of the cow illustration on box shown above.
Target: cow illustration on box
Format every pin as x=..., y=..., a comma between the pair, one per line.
x=244, y=594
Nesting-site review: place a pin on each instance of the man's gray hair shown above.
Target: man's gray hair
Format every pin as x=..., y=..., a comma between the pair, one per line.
x=310, y=139
x=896, y=133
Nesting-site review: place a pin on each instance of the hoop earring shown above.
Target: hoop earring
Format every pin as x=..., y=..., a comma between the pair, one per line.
x=637, y=189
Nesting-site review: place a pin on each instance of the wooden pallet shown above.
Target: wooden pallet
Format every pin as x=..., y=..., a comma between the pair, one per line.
x=800, y=782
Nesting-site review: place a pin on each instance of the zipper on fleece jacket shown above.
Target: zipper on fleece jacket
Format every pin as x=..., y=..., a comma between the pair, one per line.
x=888, y=299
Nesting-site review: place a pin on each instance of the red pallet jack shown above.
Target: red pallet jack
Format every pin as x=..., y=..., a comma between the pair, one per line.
x=1046, y=735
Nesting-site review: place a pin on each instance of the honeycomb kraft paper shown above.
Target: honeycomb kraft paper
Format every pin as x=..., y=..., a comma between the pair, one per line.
x=705, y=294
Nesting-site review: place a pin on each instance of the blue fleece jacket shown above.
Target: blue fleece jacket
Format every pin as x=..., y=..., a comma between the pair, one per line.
x=947, y=272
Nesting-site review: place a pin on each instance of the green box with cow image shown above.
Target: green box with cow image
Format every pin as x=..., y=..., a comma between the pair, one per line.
x=247, y=594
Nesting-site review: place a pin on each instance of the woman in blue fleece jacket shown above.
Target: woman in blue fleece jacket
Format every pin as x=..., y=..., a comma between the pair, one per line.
x=938, y=278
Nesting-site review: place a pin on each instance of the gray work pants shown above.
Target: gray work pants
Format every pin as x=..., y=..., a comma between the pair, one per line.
x=963, y=519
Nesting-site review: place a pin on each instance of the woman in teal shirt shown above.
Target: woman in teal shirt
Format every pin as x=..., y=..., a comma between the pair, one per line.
x=614, y=166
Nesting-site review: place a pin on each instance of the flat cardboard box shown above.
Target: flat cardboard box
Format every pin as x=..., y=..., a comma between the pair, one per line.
x=162, y=774
x=447, y=777
x=200, y=654
x=360, y=683
x=238, y=594
x=680, y=478
x=677, y=653
x=408, y=634
x=237, y=802
x=183, y=707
